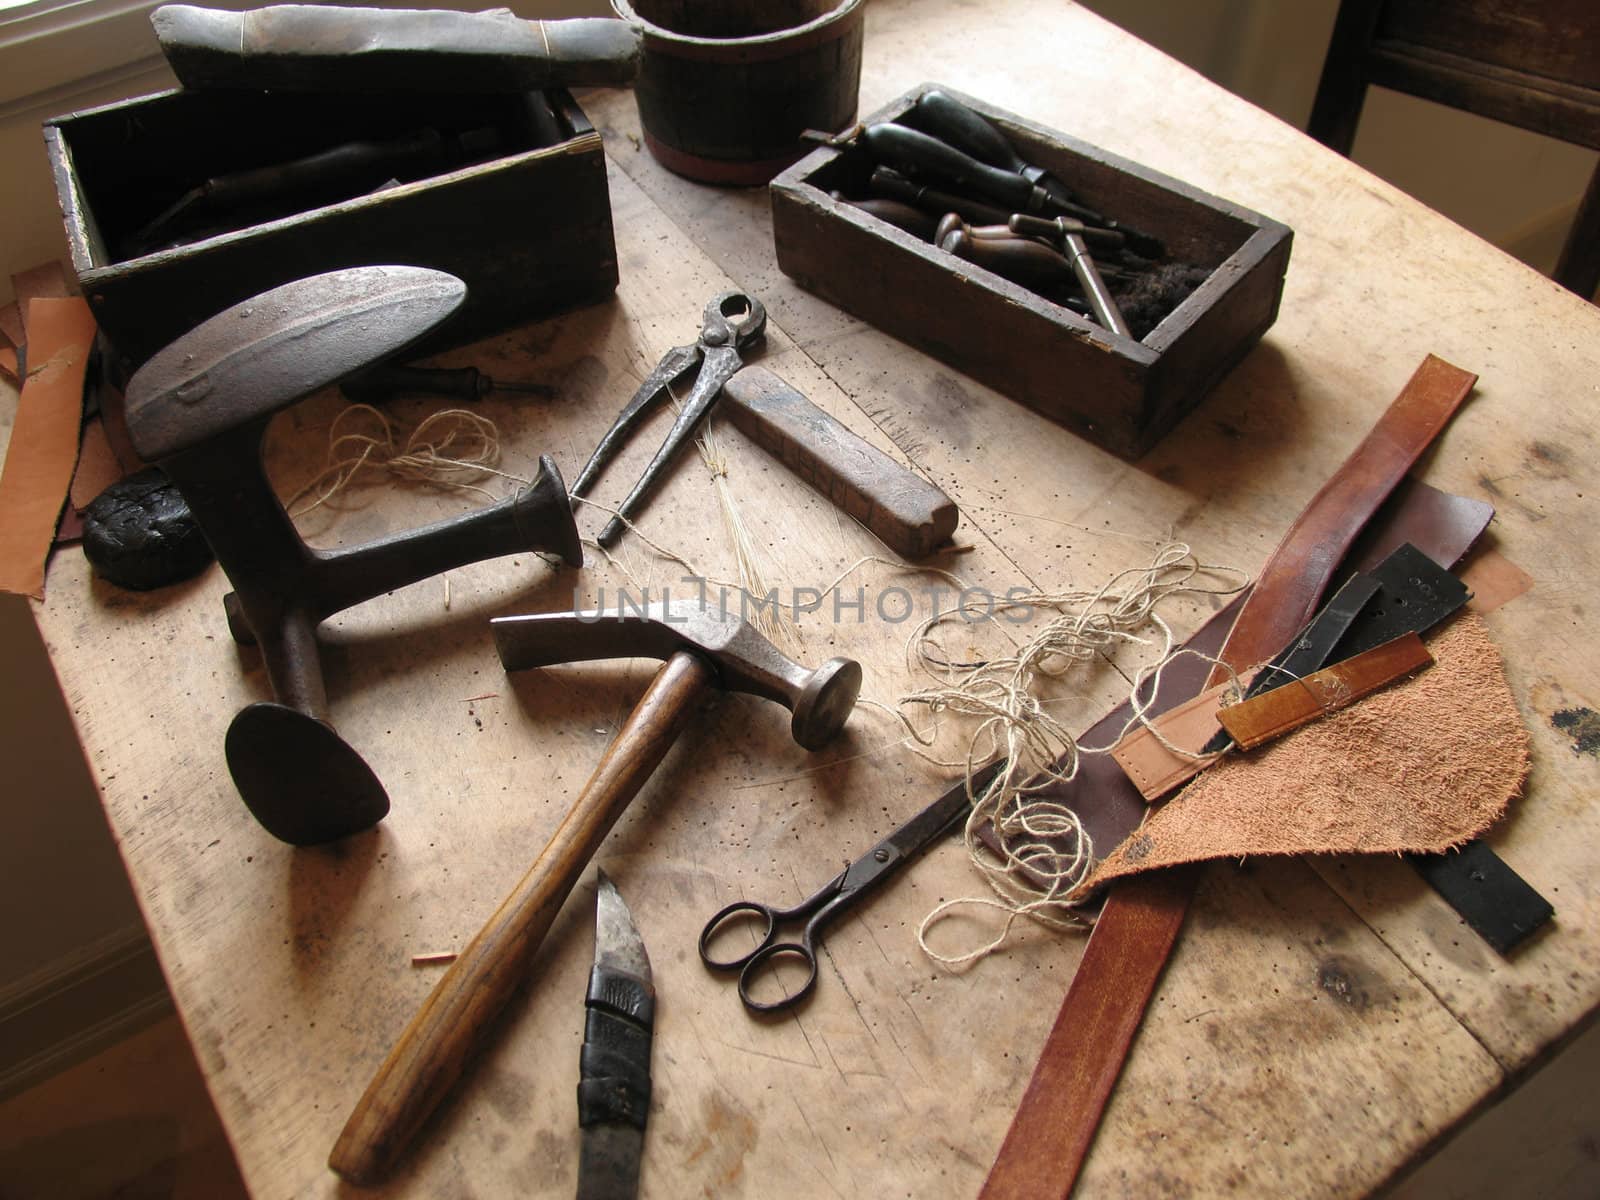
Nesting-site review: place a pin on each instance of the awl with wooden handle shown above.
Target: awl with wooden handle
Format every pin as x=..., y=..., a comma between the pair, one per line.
x=326, y=47
x=909, y=514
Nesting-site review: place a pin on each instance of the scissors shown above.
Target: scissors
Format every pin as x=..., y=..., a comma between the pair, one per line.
x=733, y=322
x=839, y=894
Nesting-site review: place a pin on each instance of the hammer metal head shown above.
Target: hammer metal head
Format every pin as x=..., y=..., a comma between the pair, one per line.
x=744, y=661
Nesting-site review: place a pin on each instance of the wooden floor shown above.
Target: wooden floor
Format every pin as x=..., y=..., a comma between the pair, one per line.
x=135, y=1123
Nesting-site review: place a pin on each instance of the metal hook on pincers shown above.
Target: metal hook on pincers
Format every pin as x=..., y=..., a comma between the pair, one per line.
x=733, y=322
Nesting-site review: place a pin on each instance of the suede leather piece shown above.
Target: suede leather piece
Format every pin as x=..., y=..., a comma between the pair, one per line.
x=1422, y=766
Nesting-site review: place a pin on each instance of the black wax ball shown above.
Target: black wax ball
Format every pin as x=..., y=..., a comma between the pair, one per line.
x=140, y=534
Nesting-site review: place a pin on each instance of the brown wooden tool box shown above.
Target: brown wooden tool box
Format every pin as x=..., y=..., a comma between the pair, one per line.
x=1120, y=393
x=510, y=196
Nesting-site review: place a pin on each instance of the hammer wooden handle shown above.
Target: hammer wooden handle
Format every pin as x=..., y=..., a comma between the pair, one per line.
x=430, y=1054
x=908, y=513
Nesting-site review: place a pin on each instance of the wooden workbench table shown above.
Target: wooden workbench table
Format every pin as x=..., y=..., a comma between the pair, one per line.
x=291, y=968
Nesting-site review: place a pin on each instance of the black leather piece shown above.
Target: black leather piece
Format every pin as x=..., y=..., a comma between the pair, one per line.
x=1311, y=650
x=1417, y=593
x=1495, y=902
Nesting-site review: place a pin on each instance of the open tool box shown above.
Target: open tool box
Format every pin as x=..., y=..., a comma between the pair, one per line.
x=1120, y=392
x=181, y=204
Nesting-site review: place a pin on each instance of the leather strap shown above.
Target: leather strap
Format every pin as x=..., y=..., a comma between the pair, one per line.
x=1496, y=902
x=1314, y=645
x=1055, y=1125
x=1274, y=713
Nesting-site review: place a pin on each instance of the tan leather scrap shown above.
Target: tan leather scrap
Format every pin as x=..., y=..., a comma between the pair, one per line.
x=1494, y=580
x=1145, y=755
x=1273, y=714
x=1424, y=765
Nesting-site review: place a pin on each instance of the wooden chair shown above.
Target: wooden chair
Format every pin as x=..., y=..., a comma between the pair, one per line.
x=1531, y=63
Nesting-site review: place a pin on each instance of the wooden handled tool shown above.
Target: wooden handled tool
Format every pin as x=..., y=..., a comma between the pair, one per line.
x=701, y=647
x=1069, y=236
x=909, y=514
x=430, y=1054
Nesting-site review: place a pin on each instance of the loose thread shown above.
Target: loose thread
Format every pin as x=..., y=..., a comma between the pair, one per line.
x=660, y=550
x=444, y=450
x=767, y=616
x=1040, y=854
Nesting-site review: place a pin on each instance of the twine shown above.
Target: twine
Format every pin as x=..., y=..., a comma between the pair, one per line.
x=770, y=619
x=1044, y=853
x=445, y=450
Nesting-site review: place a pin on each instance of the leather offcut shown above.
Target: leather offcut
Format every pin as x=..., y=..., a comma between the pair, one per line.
x=1275, y=713
x=1146, y=754
x=1422, y=766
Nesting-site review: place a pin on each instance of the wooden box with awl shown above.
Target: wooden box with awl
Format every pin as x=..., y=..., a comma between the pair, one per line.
x=907, y=513
x=1121, y=384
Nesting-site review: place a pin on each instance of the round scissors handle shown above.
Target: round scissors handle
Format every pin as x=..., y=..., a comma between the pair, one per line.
x=737, y=908
x=757, y=964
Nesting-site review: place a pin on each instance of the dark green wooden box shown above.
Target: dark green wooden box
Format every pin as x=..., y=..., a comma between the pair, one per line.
x=516, y=205
x=1120, y=393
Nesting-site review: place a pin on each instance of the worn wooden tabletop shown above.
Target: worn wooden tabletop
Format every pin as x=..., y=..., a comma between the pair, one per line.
x=292, y=968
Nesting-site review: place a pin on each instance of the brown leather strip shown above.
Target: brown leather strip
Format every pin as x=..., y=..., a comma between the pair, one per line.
x=1274, y=713
x=1144, y=754
x=1291, y=584
x=1050, y=1135
x=1083, y=1055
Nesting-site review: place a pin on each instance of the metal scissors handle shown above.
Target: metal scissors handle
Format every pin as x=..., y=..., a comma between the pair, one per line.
x=732, y=322
x=840, y=893
x=813, y=911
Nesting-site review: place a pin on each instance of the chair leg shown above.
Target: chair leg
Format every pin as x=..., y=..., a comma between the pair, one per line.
x=1579, y=266
x=1343, y=87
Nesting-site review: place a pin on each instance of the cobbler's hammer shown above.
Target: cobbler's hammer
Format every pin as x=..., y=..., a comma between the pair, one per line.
x=702, y=648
